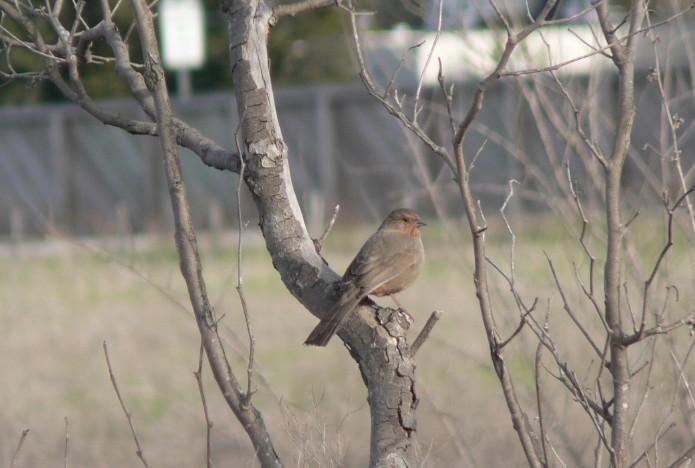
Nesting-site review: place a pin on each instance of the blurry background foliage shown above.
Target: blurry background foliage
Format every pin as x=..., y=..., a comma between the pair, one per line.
x=311, y=48
x=308, y=49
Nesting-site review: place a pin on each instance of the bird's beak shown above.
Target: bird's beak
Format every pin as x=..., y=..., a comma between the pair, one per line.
x=420, y=223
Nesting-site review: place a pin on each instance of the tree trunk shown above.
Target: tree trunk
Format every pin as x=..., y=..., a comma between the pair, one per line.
x=382, y=353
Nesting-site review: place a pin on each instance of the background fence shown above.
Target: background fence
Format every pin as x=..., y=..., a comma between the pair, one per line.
x=58, y=165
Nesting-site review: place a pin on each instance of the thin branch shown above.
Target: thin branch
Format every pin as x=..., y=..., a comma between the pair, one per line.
x=522, y=323
x=557, y=456
x=512, y=249
x=588, y=44
x=591, y=297
x=496, y=74
x=684, y=459
x=652, y=446
x=628, y=305
x=590, y=406
x=524, y=311
x=398, y=69
x=187, y=246
x=662, y=429
x=641, y=333
x=425, y=332
x=539, y=402
x=246, y=400
x=582, y=237
x=396, y=110
x=318, y=243
x=596, y=51
x=292, y=9
x=139, y=452
x=65, y=451
x=592, y=146
x=438, y=32
x=208, y=423
x=681, y=371
x=568, y=308
x=25, y=432
x=645, y=393
x=448, y=97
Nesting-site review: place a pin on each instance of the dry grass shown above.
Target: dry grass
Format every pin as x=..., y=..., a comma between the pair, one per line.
x=57, y=308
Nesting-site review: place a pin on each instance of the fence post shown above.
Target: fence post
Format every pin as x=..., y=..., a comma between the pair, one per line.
x=323, y=193
x=64, y=200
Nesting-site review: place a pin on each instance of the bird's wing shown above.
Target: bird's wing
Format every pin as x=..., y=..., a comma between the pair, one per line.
x=381, y=259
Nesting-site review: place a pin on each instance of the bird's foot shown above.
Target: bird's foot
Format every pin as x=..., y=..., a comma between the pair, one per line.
x=409, y=318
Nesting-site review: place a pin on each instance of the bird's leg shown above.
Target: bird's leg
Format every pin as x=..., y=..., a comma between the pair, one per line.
x=395, y=299
x=401, y=309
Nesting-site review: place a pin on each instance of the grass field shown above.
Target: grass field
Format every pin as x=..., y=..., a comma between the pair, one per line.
x=59, y=306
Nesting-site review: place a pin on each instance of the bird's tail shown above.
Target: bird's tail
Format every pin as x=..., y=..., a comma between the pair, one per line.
x=328, y=326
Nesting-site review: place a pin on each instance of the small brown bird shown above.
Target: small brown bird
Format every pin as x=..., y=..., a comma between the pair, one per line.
x=386, y=264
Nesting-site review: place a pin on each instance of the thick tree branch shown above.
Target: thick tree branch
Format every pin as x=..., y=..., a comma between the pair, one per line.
x=623, y=57
x=187, y=248
x=73, y=50
x=378, y=345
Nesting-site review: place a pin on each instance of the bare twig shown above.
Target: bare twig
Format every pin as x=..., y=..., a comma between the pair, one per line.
x=569, y=309
x=395, y=110
x=425, y=332
x=292, y=9
x=684, y=459
x=25, y=432
x=512, y=249
x=395, y=74
x=641, y=333
x=448, y=97
x=591, y=145
x=139, y=451
x=318, y=243
x=582, y=237
x=539, y=402
x=525, y=312
x=645, y=392
x=65, y=452
x=652, y=446
x=681, y=370
x=438, y=32
x=246, y=400
x=208, y=423
x=663, y=427
x=511, y=44
x=616, y=42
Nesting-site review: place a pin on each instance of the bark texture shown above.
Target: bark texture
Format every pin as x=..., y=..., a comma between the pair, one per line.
x=383, y=356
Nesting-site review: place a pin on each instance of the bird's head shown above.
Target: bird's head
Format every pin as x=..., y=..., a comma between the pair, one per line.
x=404, y=219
